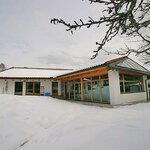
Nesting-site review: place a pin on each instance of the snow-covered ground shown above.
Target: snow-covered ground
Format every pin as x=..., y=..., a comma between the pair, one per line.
x=44, y=123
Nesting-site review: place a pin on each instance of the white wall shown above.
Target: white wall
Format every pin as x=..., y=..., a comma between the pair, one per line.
x=2, y=82
x=59, y=88
x=6, y=86
x=116, y=97
x=47, y=86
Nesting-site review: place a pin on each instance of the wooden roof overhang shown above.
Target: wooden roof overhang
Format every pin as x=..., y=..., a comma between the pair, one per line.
x=84, y=74
x=124, y=70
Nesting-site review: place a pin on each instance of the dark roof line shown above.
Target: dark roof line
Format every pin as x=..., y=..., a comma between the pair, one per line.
x=106, y=64
x=85, y=69
x=36, y=68
x=26, y=78
x=95, y=67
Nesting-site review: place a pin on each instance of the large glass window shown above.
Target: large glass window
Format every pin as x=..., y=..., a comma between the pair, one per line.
x=77, y=90
x=87, y=91
x=131, y=83
x=62, y=88
x=67, y=90
x=18, y=88
x=29, y=88
x=96, y=90
x=32, y=88
x=105, y=91
x=36, y=87
x=71, y=90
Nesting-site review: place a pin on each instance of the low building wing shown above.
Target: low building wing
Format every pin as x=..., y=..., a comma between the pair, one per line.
x=25, y=72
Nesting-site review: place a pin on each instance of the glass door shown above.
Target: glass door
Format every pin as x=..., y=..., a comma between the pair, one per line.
x=54, y=88
x=18, y=88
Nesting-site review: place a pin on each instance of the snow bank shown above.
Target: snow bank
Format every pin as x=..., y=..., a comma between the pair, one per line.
x=43, y=123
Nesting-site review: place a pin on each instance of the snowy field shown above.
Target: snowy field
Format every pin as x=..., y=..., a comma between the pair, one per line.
x=43, y=123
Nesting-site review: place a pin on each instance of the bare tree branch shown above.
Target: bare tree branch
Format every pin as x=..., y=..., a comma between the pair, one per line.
x=125, y=17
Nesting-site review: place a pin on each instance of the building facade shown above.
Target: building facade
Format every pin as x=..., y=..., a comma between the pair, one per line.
x=119, y=81
x=30, y=81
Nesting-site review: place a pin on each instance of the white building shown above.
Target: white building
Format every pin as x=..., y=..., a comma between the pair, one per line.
x=118, y=81
x=30, y=81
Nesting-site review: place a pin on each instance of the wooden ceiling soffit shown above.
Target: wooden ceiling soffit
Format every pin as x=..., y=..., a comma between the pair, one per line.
x=129, y=72
x=85, y=74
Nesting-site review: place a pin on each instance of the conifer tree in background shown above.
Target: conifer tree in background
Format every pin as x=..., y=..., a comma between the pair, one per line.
x=2, y=67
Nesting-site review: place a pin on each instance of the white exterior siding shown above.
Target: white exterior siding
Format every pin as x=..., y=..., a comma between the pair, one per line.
x=116, y=97
x=47, y=86
x=59, y=88
x=6, y=86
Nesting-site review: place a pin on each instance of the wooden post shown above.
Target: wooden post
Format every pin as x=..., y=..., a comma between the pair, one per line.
x=82, y=90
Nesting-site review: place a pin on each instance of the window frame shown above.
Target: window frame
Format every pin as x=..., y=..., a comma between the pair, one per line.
x=124, y=81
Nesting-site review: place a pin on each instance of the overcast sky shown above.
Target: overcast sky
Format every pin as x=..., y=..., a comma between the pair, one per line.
x=28, y=39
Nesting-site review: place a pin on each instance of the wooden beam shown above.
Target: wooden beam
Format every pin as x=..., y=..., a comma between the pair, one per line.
x=129, y=72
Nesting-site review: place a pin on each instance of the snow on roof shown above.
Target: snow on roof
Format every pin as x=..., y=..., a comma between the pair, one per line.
x=25, y=72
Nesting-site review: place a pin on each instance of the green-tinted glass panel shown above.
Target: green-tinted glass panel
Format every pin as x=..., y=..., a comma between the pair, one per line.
x=105, y=83
x=36, y=87
x=55, y=88
x=121, y=87
x=87, y=91
x=29, y=88
x=132, y=87
x=95, y=78
x=105, y=92
x=77, y=91
x=18, y=88
x=67, y=90
x=62, y=89
x=104, y=76
x=96, y=91
x=71, y=90
x=132, y=78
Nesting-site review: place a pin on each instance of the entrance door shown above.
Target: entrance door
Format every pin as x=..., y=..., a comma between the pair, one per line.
x=18, y=88
x=32, y=88
x=54, y=88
